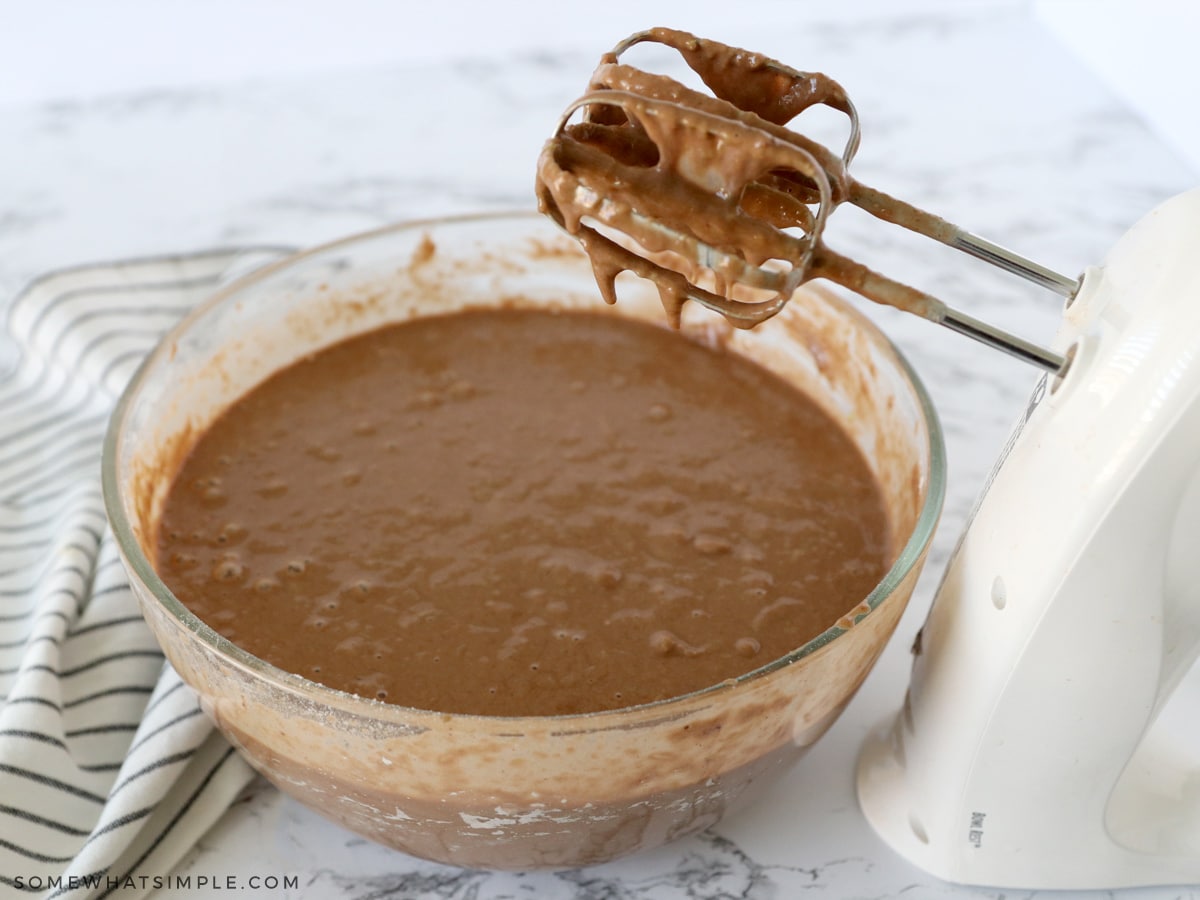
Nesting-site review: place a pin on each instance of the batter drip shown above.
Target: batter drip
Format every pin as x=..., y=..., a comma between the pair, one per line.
x=697, y=192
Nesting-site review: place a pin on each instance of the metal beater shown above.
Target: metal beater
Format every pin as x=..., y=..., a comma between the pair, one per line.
x=713, y=199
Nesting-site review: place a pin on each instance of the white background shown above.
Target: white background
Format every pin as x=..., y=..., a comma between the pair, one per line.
x=54, y=50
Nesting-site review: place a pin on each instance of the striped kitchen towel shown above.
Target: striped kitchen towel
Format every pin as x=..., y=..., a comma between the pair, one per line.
x=108, y=770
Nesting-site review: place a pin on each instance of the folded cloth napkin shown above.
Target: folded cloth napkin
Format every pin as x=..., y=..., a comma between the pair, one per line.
x=109, y=772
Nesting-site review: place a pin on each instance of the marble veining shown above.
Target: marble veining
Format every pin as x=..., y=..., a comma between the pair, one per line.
x=973, y=112
x=715, y=867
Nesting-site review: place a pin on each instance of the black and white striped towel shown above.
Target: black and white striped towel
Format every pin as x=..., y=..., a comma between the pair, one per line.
x=108, y=770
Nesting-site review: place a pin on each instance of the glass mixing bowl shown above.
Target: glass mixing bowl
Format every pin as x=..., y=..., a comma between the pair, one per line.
x=494, y=792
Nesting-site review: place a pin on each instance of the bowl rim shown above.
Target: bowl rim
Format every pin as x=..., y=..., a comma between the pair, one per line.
x=131, y=552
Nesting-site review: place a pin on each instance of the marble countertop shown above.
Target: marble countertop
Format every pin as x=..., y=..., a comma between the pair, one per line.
x=974, y=112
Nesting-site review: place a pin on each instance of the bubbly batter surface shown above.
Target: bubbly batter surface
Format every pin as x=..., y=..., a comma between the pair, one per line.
x=522, y=513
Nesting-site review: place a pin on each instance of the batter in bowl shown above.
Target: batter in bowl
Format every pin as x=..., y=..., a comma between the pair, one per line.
x=522, y=512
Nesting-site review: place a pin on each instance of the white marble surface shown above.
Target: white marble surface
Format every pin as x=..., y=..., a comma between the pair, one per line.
x=973, y=111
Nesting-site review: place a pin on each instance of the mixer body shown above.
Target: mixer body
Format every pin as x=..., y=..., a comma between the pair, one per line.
x=1050, y=735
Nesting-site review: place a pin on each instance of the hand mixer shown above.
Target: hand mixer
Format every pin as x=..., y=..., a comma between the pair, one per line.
x=1049, y=736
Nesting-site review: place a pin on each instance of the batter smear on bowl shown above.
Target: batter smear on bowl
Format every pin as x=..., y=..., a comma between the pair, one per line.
x=521, y=512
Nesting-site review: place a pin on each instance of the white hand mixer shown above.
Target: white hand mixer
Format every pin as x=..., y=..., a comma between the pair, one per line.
x=1036, y=747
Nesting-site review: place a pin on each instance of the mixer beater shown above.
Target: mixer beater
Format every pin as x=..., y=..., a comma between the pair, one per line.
x=714, y=200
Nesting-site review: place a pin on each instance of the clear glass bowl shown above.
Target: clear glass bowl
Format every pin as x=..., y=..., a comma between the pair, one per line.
x=493, y=792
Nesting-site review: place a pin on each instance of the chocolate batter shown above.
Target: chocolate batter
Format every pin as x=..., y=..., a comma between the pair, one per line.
x=708, y=188
x=522, y=513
